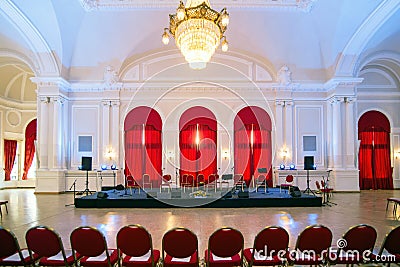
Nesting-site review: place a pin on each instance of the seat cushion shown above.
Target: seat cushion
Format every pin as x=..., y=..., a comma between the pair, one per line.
x=100, y=260
x=58, y=259
x=189, y=261
x=142, y=261
x=218, y=261
x=260, y=260
x=15, y=259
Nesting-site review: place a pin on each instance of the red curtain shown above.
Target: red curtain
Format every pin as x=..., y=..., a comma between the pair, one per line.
x=374, y=160
x=30, y=137
x=201, y=157
x=10, y=149
x=250, y=158
x=141, y=159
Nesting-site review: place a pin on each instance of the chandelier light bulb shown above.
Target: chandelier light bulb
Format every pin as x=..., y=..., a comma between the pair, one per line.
x=165, y=37
x=224, y=18
x=224, y=45
x=180, y=12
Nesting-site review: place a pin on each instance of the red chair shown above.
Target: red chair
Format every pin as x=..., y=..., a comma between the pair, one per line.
x=225, y=248
x=131, y=183
x=261, y=181
x=180, y=248
x=51, y=252
x=135, y=247
x=288, y=182
x=390, y=249
x=189, y=182
x=211, y=183
x=200, y=180
x=10, y=252
x=91, y=244
x=240, y=184
x=270, y=247
x=166, y=182
x=312, y=246
x=358, y=240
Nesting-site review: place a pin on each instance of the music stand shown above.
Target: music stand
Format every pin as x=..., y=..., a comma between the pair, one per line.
x=308, y=165
x=87, y=166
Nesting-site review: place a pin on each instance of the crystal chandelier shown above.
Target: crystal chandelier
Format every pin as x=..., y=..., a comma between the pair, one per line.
x=198, y=31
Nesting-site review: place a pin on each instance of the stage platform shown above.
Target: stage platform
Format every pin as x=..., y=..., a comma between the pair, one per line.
x=177, y=198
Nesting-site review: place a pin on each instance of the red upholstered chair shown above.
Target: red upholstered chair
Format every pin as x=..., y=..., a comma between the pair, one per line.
x=390, y=249
x=312, y=246
x=131, y=183
x=91, y=244
x=10, y=252
x=261, y=181
x=211, y=183
x=51, y=252
x=288, y=182
x=180, y=248
x=358, y=238
x=166, y=182
x=270, y=247
x=240, y=184
x=225, y=248
x=146, y=181
x=189, y=182
x=200, y=181
x=135, y=247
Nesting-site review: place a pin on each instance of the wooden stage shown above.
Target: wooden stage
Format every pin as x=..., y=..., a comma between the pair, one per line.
x=177, y=198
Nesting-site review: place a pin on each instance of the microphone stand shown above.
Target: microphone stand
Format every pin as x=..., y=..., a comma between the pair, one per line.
x=72, y=186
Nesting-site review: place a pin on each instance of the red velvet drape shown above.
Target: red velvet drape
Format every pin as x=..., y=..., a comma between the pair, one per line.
x=10, y=149
x=249, y=158
x=374, y=160
x=141, y=159
x=198, y=158
x=30, y=137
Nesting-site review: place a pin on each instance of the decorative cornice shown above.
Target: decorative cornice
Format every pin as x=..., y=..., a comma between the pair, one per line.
x=52, y=82
x=292, y=5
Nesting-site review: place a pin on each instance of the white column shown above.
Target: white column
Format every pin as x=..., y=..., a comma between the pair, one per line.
x=288, y=130
x=279, y=122
x=57, y=143
x=115, y=130
x=329, y=134
x=337, y=139
x=106, y=104
x=350, y=133
x=43, y=125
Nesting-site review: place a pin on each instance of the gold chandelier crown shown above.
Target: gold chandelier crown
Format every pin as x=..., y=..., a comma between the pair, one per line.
x=198, y=30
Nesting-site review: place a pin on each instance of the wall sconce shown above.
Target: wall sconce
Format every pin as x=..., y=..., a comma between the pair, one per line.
x=110, y=154
x=284, y=153
x=226, y=154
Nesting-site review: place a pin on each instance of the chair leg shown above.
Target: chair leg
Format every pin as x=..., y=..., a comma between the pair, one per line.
x=6, y=208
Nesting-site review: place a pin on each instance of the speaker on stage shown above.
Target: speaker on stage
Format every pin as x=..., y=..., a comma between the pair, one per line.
x=295, y=191
x=102, y=195
x=243, y=194
x=86, y=163
x=309, y=163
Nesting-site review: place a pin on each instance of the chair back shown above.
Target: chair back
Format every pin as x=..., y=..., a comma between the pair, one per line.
x=289, y=178
x=238, y=178
x=134, y=240
x=179, y=242
x=184, y=179
x=260, y=178
x=34, y=240
x=392, y=242
x=226, y=242
x=360, y=237
x=167, y=177
x=274, y=238
x=211, y=178
x=9, y=243
x=88, y=241
x=190, y=180
x=146, y=178
x=317, y=185
x=317, y=238
x=130, y=181
x=200, y=178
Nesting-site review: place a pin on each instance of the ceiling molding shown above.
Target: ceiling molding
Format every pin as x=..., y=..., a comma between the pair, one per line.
x=45, y=62
x=290, y=5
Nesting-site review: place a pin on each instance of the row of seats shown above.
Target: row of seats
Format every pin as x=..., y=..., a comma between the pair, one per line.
x=180, y=248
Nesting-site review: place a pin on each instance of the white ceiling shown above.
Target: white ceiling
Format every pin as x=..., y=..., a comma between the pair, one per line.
x=310, y=36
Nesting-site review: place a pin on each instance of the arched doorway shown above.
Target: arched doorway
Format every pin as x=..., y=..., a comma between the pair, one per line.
x=252, y=143
x=374, y=155
x=198, y=143
x=143, y=146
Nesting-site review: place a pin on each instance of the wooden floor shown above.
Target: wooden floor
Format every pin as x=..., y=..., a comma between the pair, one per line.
x=27, y=209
